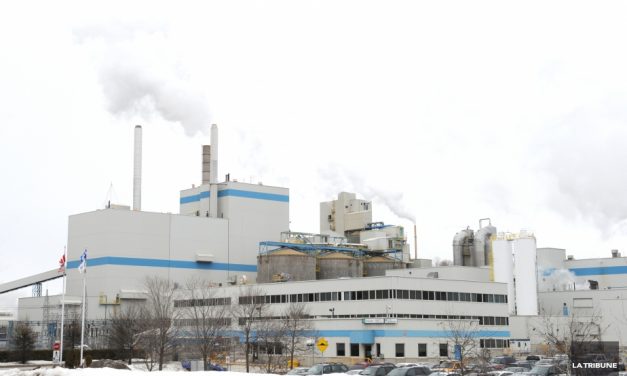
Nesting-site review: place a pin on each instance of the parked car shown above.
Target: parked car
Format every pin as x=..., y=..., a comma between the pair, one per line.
x=298, y=371
x=504, y=360
x=528, y=364
x=500, y=373
x=410, y=371
x=326, y=368
x=400, y=365
x=545, y=370
x=534, y=357
x=354, y=371
x=381, y=370
x=516, y=369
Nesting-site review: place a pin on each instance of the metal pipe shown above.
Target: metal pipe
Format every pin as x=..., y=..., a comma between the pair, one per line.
x=213, y=172
x=137, y=169
x=415, y=243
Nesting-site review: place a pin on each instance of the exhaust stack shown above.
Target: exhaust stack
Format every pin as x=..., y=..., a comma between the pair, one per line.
x=213, y=172
x=137, y=170
x=210, y=171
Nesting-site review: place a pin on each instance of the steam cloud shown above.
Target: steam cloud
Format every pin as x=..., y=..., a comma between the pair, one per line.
x=587, y=166
x=137, y=80
x=344, y=180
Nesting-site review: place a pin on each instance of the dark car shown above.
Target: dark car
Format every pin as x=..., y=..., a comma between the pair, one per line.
x=381, y=370
x=325, y=368
x=504, y=360
x=410, y=371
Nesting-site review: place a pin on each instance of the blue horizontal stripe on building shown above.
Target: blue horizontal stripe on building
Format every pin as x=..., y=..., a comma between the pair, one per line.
x=363, y=334
x=161, y=263
x=236, y=193
x=599, y=270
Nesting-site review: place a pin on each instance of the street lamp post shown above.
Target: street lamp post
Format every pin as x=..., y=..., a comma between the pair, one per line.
x=332, y=310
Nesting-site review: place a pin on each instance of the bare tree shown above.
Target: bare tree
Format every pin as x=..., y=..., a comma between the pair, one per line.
x=159, y=315
x=124, y=329
x=563, y=332
x=206, y=315
x=297, y=326
x=462, y=332
x=23, y=340
x=271, y=334
x=249, y=310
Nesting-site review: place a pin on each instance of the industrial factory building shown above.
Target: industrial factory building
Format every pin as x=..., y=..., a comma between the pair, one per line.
x=365, y=294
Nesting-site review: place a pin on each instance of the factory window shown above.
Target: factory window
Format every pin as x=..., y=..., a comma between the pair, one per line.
x=412, y=294
x=347, y=295
x=340, y=349
x=444, y=349
x=440, y=295
x=372, y=294
x=354, y=349
x=283, y=298
x=400, y=350
x=425, y=295
x=360, y=295
x=422, y=349
x=418, y=295
x=385, y=293
x=335, y=296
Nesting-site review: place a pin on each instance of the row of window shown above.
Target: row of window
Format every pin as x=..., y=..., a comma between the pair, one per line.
x=399, y=348
x=202, y=302
x=493, y=343
x=223, y=321
x=375, y=295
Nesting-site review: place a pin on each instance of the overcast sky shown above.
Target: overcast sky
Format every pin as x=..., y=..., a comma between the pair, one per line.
x=441, y=111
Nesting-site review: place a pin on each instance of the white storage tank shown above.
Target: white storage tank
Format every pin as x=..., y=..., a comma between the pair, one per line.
x=502, y=269
x=525, y=272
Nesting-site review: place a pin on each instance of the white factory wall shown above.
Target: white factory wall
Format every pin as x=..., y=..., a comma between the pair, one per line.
x=348, y=325
x=124, y=247
x=461, y=273
x=347, y=213
x=608, y=272
x=253, y=220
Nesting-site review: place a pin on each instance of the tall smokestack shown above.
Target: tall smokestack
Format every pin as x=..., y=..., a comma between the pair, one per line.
x=213, y=172
x=137, y=170
x=415, y=243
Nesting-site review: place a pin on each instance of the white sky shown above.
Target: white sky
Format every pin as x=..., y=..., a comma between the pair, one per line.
x=448, y=111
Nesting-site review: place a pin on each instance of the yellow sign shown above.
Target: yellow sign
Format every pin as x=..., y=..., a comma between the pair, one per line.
x=322, y=344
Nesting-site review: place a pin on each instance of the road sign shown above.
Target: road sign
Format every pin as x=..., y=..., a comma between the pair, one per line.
x=322, y=344
x=56, y=346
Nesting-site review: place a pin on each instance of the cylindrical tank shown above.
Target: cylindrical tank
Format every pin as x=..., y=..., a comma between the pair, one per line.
x=462, y=247
x=483, y=245
x=525, y=272
x=338, y=265
x=377, y=265
x=502, y=269
x=285, y=264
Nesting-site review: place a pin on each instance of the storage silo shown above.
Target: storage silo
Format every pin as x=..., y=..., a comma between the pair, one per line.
x=338, y=265
x=502, y=269
x=377, y=265
x=286, y=264
x=483, y=245
x=525, y=273
x=463, y=248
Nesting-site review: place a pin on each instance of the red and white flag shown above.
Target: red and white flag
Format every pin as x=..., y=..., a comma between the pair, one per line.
x=62, y=264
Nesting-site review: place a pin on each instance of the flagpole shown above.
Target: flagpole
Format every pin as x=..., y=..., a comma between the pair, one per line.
x=63, y=303
x=83, y=318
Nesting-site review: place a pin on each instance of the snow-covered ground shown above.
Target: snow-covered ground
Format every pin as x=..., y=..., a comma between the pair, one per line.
x=110, y=372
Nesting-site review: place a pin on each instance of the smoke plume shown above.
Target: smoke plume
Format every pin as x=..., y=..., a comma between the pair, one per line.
x=339, y=179
x=139, y=77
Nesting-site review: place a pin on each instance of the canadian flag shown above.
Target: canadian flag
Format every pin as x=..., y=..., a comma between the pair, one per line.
x=62, y=264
